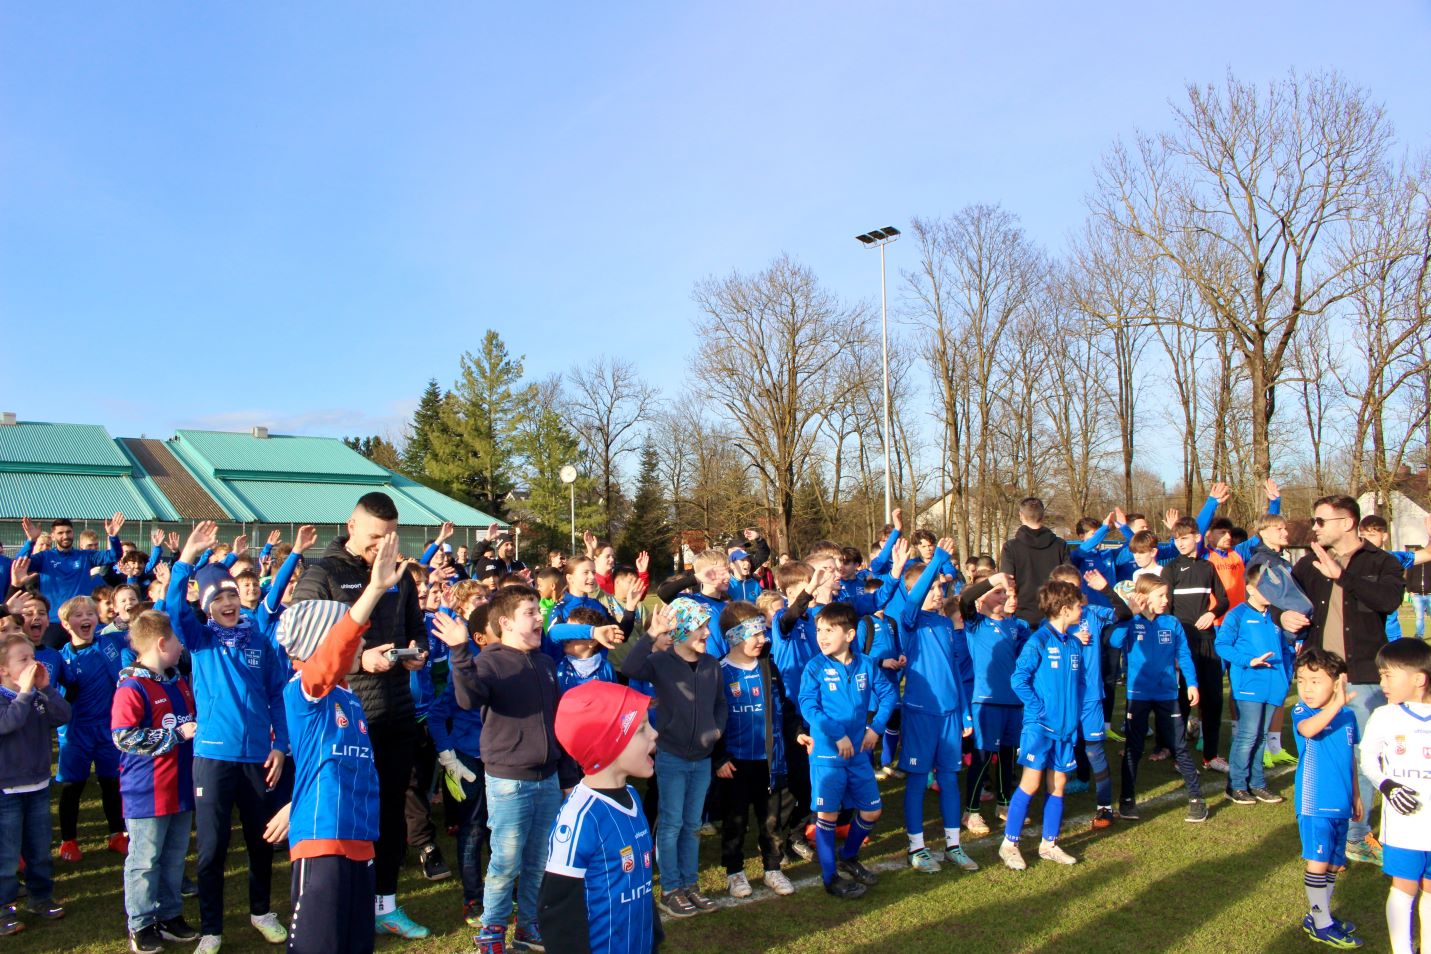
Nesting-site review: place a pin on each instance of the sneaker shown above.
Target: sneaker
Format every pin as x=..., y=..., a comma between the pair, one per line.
x=974, y=824
x=1114, y=735
x=1283, y=757
x=146, y=940
x=896, y=772
x=492, y=939
x=777, y=882
x=188, y=888
x=1368, y=851
x=1050, y=851
x=707, y=830
x=119, y=843
x=958, y=856
x=1075, y=787
x=922, y=861
x=675, y=904
x=851, y=868
x=1103, y=818
x=1218, y=764
x=209, y=944
x=46, y=909
x=472, y=913
x=1011, y=857
x=70, y=851
x=1197, y=810
x=528, y=939
x=9, y=924
x=699, y=901
x=882, y=773
x=1160, y=755
x=738, y=885
x=396, y=922
x=1331, y=935
x=176, y=929
x=1240, y=796
x=270, y=927
x=1128, y=809
x=1004, y=816
x=433, y=867
x=1267, y=762
x=801, y=850
x=1266, y=797
x=845, y=889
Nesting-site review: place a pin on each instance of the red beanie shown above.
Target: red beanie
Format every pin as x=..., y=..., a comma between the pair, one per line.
x=596, y=720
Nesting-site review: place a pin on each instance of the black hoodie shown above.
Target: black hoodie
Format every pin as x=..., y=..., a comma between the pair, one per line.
x=1030, y=557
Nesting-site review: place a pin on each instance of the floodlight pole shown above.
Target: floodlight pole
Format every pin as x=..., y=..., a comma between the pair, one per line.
x=573, y=519
x=883, y=237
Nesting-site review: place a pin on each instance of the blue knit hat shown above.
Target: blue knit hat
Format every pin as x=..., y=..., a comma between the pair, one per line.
x=213, y=579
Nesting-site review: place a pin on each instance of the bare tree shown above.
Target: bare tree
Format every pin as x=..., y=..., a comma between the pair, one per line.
x=612, y=403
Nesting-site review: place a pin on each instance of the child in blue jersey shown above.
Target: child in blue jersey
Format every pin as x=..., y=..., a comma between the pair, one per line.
x=792, y=646
x=1049, y=679
x=34, y=617
x=596, y=896
x=741, y=586
x=1157, y=650
x=879, y=640
x=995, y=637
x=708, y=584
x=91, y=669
x=242, y=741
x=1259, y=655
x=153, y=725
x=838, y=691
x=332, y=821
x=1325, y=791
x=581, y=590
x=750, y=754
x=935, y=716
x=30, y=708
x=1087, y=553
x=582, y=660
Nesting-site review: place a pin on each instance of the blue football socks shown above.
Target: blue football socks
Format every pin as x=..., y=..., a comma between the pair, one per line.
x=825, y=847
x=1018, y=811
x=1052, y=817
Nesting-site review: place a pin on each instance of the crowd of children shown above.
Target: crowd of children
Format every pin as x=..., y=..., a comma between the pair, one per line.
x=192, y=684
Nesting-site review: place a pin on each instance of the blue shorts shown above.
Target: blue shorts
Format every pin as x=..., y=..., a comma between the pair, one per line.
x=81, y=746
x=997, y=726
x=1092, y=722
x=1039, y=750
x=928, y=742
x=844, y=783
x=1405, y=863
x=1324, y=839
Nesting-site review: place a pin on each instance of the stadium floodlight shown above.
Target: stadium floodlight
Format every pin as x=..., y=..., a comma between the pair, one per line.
x=568, y=477
x=870, y=239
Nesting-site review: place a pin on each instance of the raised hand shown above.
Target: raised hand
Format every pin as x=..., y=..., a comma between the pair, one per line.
x=662, y=622
x=156, y=538
x=30, y=528
x=1120, y=518
x=203, y=537
x=1220, y=492
x=1324, y=563
x=643, y=562
x=445, y=533
x=634, y=596
x=307, y=536
x=588, y=540
x=114, y=524
x=608, y=636
x=275, y=537
x=896, y=517
x=20, y=575
x=947, y=545
x=240, y=546
x=493, y=531
x=1171, y=517
x=1095, y=580
x=1273, y=491
x=386, y=569
x=451, y=630
x=161, y=573
x=899, y=554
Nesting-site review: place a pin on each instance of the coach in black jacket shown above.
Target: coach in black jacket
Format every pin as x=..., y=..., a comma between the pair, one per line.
x=382, y=685
x=1030, y=557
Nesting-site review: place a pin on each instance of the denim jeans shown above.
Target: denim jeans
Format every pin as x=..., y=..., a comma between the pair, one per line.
x=25, y=833
x=520, y=815
x=1421, y=604
x=1249, y=738
x=1368, y=697
x=683, y=796
x=472, y=829
x=154, y=868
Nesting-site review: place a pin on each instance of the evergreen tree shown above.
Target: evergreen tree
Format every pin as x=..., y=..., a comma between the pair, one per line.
x=424, y=431
x=377, y=449
x=648, y=527
x=475, y=456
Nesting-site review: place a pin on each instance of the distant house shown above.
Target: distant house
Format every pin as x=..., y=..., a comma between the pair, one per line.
x=1409, y=507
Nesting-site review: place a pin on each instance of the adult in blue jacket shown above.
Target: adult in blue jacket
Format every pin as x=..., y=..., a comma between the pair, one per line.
x=64, y=571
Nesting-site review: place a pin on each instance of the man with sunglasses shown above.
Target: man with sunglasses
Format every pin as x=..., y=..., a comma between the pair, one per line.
x=1354, y=587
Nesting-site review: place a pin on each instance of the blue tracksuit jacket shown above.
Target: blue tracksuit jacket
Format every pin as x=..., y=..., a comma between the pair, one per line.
x=1246, y=634
x=1048, y=679
x=836, y=700
x=994, y=647
x=1155, y=647
x=65, y=574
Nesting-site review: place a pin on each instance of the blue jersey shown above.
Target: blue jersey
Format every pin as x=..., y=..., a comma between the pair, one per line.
x=1247, y=634
x=715, y=643
x=937, y=662
x=792, y=653
x=1096, y=621
x=747, y=589
x=836, y=700
x=746, y=699
x=54, y=664
x=608, y=846
x=453, y=727
x=994, y=646
x=1090, y=554
x=68, y=573
x=1155, y=647
x=573, y=672
x=1048, y=679
x=883, y=644
x=1324, y=785
x=335, y=788
x=90, y=674
x=420, y=682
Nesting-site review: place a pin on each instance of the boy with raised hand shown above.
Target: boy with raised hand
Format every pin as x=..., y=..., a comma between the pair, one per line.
x=1087, y=554
x=995, y=637
x=1325, y=789
x=596, y=896
x=239, y=681
x=1049, y=680
x=1259, y=656
x=583, y=660
x=153, y=726
x=1393, y=758
x=1198, y=600
x=710, y=580
x=1157, y=648
x=514, y=684
x=332, y=821
x=838, y=692
x=91, y=668
x=30, y=708
x=934, y=712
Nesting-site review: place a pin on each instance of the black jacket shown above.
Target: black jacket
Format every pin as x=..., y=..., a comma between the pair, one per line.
x=690, y=702
x=1031, y=556
x=1418, y=579
x=517, y=693
x=387, y=696
x=1372, y=589
x=1190, y=584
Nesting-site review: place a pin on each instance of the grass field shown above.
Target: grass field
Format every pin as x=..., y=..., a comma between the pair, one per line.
x=1230, y=885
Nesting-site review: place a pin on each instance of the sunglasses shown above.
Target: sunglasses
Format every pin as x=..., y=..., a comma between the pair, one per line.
x=1323, y=521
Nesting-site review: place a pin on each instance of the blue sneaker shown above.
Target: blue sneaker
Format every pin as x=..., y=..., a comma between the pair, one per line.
x=1075, y=787
x=397, y=923
x=492, y=939
x=1331, y=935
x=528, y=939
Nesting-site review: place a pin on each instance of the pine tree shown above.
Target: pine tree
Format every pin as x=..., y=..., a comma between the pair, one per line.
x=377, y=449
x=425, y=429
x=475, y=455
x=648, y=527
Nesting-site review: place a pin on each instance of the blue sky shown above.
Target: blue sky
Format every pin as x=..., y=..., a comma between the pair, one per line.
x=231, y=214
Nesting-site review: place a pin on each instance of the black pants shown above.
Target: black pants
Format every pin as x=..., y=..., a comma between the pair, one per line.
x=70, y=796
x=418, y=803
x=1170, y=721
x=797, y=763
x=394, y=744
x=981, y=770
x=219, y=788
x=1208, y=666
x=749, y=789
x=332, y=906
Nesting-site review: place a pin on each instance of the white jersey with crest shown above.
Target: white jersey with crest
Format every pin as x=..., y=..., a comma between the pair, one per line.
x=1397, y=745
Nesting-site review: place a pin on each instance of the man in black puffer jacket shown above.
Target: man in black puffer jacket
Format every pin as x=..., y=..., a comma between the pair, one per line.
x=383, y=686
x=1030, y=557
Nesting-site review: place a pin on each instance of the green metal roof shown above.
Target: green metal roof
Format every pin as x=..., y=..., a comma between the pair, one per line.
x=312, y=502
x=440, y=504
x=77, y=496
x=41, y=447
x=245, y=457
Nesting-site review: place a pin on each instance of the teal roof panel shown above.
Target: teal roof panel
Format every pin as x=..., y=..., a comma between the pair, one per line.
x=243, y=456
x=77, y=496
x=440, y=504
x=308, y=501
x=41, y=447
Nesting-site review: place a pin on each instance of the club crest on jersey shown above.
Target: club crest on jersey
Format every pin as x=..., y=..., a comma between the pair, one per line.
x=861, y=681
x=563, y=833
x=363, y=726
x=628, y=859
x=1073, y=661
x=755, y=691
x=338, y=715
x=646, y=859
x=1401, y=745
x=1165, y=636
x=735, y=689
